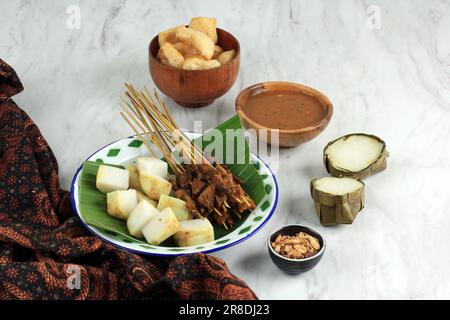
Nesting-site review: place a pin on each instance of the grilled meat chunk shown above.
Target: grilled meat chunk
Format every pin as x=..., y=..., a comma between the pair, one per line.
x=206, y=198
x=212, y=192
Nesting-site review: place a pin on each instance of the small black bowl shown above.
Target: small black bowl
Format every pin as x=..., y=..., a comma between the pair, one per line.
x=295, y=266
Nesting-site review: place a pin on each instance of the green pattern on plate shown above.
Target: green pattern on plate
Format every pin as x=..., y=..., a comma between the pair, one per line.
x=146, y=246
x=257, y=218
x=268, y=188
x=264, y=176
x=265, y=205
x=113, y=152
x=244, y=230
x=135, y=143
x=99, y=160
x=222, y=241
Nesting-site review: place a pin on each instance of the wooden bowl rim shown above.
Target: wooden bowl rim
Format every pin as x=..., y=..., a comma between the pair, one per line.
x=153, y=58
x=239, y=105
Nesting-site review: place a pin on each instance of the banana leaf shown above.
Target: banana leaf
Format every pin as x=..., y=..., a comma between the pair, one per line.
x=92, y=202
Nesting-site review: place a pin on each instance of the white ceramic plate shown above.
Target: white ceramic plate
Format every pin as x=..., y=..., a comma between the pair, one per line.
x=125, y=151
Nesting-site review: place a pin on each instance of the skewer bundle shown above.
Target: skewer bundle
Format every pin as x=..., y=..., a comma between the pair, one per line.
x=151, y=120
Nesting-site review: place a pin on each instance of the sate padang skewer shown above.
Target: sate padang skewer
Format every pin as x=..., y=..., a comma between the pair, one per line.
x=210, y=190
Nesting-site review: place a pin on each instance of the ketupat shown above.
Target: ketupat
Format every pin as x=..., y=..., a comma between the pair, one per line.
x=110, y=179
x=337, y=200
x=177, y=205
x=154, y=186
x=133, y=174
x=163, y=225
x=152, y=166
x=139, y=217
x=141, y=196
x=121, y=203
x=357, y=155
x=194, y=232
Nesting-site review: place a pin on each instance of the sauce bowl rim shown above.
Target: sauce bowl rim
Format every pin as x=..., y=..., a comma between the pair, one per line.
x=240, y=106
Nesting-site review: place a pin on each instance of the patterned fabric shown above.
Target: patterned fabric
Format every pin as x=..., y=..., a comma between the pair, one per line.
x=46, y=254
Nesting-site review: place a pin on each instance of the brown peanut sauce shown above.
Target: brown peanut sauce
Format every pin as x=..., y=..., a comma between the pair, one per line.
x=284, y=109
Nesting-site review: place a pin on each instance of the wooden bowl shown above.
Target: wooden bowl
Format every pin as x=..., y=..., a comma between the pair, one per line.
x=287, y=137
x=195, y=88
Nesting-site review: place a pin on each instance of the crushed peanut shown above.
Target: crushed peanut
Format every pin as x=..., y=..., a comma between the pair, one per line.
x=300, y=246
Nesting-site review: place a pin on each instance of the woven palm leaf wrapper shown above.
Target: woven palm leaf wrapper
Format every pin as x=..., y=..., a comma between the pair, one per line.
x=334, y=209
x=376, y=166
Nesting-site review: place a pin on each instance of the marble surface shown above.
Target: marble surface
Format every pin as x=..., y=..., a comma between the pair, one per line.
x=389, y=77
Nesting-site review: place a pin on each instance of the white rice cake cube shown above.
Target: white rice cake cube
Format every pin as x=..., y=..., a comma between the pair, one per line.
x=194, y=232
x=177, y=205
x=110, y=179
x=163, y=225
x=121, y=203
x=152, y=166
x=141, y=196
x=154, y=186
x=139, y=217
x=133, y=173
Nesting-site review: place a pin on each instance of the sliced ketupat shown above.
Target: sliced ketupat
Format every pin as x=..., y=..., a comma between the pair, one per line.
x=152, y=166
x=163, y=225
x=194, y=232
x=154, y=186
x=141, y=196
x=177, y=205
x=110, y=179
x=121, y=203
x=133, y=173
x=337, y=200
x=139, y=217
x=357, y=155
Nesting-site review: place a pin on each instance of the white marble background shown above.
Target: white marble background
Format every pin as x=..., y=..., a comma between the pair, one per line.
x=393, y=82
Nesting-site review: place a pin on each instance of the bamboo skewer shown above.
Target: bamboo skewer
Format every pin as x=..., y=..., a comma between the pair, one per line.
x=138, y=134
x=167, y=120
x=218, y=212
x=166, y=155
